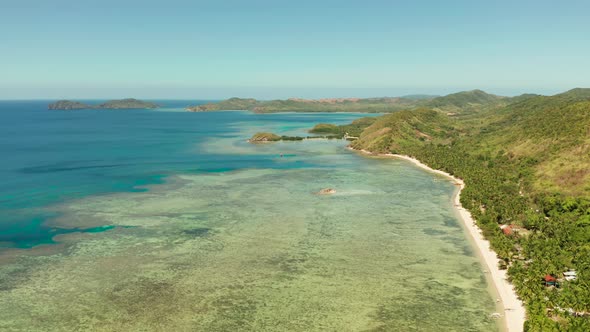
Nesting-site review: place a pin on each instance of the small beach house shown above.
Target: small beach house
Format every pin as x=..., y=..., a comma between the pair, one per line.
x=570, y=275
x=550, y=280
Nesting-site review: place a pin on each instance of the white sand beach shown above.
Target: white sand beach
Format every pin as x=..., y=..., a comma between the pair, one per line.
x=514, y=311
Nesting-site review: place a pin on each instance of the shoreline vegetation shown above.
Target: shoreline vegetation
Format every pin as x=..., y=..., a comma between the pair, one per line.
x=526, y=163
x=264, y=137
x=348, y=132
x=514, y=314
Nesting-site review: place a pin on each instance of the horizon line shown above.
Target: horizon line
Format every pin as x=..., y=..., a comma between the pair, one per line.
x=242, y=96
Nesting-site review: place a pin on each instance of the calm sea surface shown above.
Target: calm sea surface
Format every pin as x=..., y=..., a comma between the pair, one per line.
x=158, y=220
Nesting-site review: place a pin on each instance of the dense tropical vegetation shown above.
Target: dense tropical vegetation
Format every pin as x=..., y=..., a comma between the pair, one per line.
x=526, y=163
x=353, y=129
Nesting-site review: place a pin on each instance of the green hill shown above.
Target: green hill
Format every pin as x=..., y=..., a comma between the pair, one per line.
x=354, y=129
x=525, y=164
x=467, y=101
x=522, y=97
x=552, y=131
x=392, y=133
x=576, y=94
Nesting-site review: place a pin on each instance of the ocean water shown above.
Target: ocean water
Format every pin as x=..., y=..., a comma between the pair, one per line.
x=165, y=220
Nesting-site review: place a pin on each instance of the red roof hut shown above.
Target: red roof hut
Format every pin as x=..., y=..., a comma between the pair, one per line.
x=550, y=280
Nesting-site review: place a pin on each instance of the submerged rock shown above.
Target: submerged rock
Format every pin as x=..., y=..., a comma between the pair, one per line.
x=327, y=191
x=198, y=232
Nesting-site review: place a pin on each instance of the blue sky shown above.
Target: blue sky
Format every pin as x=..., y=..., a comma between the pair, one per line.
x=278, y=49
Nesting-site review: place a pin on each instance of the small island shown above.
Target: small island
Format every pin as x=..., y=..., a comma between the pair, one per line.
x=128, y=103
x=264, y=138
x=68, y=105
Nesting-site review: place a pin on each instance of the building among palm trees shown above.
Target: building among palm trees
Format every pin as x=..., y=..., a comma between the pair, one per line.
x=570, y=275
x=550, y=280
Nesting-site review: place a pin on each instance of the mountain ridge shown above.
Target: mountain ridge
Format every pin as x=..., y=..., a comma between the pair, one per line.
x=473, y=100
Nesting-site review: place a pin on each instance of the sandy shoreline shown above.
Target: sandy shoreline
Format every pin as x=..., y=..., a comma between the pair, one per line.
x=514, y=312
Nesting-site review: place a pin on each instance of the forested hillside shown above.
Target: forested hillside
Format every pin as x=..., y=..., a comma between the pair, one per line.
x=553, y=133
x=525, y=164
x=467, y=102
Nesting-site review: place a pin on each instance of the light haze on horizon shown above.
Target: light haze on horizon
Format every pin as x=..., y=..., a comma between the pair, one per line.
x=182, y=49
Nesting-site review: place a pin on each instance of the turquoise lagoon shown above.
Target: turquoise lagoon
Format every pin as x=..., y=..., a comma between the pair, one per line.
x=170, y=221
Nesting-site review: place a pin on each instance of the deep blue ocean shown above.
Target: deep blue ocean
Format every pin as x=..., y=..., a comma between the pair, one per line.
x=50, y=157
